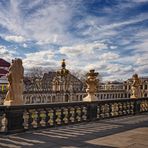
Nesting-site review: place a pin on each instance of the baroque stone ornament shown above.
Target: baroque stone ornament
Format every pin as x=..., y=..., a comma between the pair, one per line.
x=63, y=72
x=135, y=89
x=92, y=84
x=15, y=89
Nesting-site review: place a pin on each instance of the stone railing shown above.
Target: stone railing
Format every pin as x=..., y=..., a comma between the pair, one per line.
x=28, y=117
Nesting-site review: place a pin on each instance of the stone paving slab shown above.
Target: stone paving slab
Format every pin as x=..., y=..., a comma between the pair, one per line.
x=124, y=139
x=124, y=132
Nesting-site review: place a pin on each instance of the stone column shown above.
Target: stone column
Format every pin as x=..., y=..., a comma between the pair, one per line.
x=92, y=85
x=15, y=77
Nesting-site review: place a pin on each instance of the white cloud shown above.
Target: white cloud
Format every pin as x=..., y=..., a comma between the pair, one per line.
x=47, y=24
x=51, y=23
x=113, y=68
x=89, y=67
x=5, y=53
x=83, y=49
x=142, y=60
x=39, y=59
x=101, y=27
x=140, y=47
x=139, y=1
x=120, y=24
x=25, y=45
x=109, y=56
x=15, y=38
x=142, y=70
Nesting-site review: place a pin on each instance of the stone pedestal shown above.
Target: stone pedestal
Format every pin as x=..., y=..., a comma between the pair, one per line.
x=90, y=97
x=136, y=93
x=13, y=102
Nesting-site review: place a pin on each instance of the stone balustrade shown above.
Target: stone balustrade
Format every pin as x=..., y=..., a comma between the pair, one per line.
x=28, y=117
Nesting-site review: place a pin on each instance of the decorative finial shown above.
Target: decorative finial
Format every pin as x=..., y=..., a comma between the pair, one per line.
x=63, y=64
x=63, y=72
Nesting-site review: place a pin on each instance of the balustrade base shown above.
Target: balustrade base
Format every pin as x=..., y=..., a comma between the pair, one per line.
x=13, y=102
x=90, y=98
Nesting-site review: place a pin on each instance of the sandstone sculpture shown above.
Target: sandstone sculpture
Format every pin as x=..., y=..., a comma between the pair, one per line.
x=92, y=84
x=135, y=89
x=15, y=89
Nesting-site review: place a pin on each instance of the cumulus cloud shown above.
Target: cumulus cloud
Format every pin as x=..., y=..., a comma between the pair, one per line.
x=83, y=49
x=47, y=24
x=109, y=56
x=15, y=38
x=39, y=59
x=112, y=43
x=5, y=53
x=25, y=45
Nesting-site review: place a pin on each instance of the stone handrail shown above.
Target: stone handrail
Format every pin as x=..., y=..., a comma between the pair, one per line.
x=25, y=117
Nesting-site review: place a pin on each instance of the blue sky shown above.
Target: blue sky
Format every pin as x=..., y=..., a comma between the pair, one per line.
x=108, y=35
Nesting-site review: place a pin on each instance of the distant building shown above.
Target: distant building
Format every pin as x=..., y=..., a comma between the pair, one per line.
x=4, y=65
x=60, y=86
x=144, y=86
x=111, y=90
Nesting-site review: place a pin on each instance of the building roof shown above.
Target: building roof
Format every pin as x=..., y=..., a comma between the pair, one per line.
x=3, y=80
x=4, y=63
x=3, y=72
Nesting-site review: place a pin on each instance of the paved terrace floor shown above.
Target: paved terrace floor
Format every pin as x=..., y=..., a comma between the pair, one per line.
x=123, y=132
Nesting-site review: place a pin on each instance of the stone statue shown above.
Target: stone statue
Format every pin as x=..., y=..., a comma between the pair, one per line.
x=92, y=84
x=135, y=89
x=15, y=89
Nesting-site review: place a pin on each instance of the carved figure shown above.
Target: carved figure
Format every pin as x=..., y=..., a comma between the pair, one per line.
x=135, y=89
x=15, y=89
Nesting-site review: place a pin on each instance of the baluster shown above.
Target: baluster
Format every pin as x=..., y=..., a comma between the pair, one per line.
x=65, y=113
x=58, y=116
x=84, y=113
x=34, y=116
x=102, y=111
x=116, y=109
x=51, y=116
x=98, y=112
x=124, y=108
x=132, y=107
x=26, y=119
x=42, y=115
x=146, y=105
x=72, y=115
x=107, y=110
x=120, y=109
x=113, y=109
x=78, y=114
x=4, y=123
x=128, y=107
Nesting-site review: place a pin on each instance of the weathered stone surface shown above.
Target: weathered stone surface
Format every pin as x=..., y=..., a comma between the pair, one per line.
x=136, y=91
x=110, y=133
x=15, y=77
x=92, y=84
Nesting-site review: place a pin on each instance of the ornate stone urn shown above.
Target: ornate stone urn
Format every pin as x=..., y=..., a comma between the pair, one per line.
x=92, y=85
